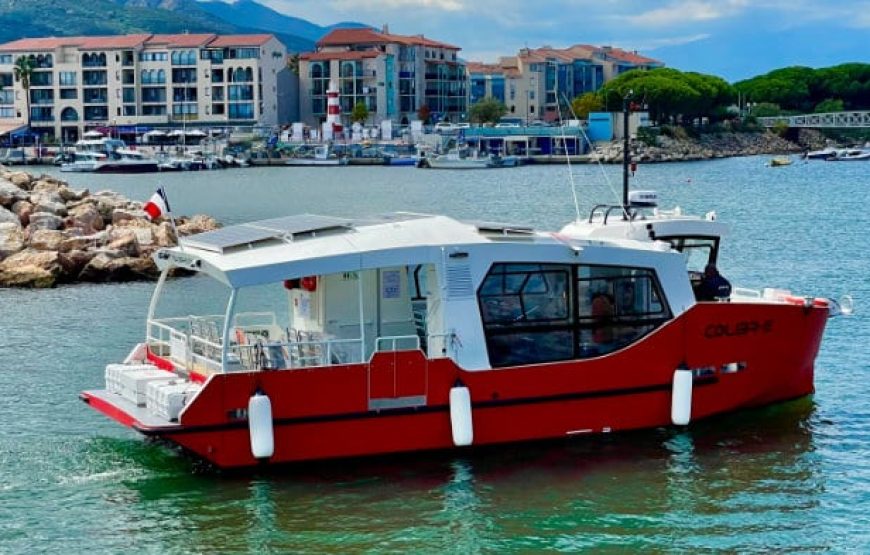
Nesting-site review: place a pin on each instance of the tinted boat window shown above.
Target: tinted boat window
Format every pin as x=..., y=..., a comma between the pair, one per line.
x=535, y=313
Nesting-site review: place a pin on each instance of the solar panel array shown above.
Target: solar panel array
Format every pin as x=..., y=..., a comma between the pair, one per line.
x=251, y=233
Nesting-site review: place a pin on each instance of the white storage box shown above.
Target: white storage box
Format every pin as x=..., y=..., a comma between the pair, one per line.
x=166, y=399
x=134, y=383
x=114, y=371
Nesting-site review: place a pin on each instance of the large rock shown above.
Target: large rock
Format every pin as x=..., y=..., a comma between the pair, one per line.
x=46, y=239
x=74, y=261
x=44, y=220
x=164, y=235
x=9, y=217
x=71, y=195
x=197, y=224
x=22, y=180
x=11, y=239
x=23, y=209
x=56, y=208
x=121, y=216
x=84, y=242
x=31, y=268
x=103, y=268
x=10, y=194
x=126, y=244
x=87, y=216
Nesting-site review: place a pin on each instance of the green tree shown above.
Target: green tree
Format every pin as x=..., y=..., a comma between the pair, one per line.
x=360, y=112
x=23, y=70
x=669, y=94
x=487, y=110
x=830, y=105
x=293, y=63
x=766, y=110
x=589, y=102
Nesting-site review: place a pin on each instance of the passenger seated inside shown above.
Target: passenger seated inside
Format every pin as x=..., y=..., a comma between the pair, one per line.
x=602, y=314
x=713, y=286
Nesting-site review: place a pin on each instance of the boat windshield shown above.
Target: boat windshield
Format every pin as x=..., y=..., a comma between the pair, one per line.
x=698, y=252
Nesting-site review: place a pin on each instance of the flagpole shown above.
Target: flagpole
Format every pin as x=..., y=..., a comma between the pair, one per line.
x=162, y=190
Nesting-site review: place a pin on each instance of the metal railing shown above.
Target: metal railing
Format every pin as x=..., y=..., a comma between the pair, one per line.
x=195, y=343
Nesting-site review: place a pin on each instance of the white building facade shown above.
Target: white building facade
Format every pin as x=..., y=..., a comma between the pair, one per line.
x=79, y=83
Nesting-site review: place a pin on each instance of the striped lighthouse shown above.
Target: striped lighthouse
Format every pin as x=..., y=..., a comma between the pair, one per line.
x=333, y=113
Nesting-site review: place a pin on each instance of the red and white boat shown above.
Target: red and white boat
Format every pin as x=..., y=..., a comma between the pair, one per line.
x=412, y=332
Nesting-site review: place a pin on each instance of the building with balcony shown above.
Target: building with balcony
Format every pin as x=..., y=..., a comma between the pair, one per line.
x=535, y=82
x=142, y=80
x=394, y=75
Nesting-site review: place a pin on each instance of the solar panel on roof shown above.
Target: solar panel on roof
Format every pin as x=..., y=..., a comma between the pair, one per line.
x=503, y=228
x=255, y=232
x=224, y=238
x=301, y=223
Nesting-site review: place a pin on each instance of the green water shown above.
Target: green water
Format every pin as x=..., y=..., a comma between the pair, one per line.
x=789, y=478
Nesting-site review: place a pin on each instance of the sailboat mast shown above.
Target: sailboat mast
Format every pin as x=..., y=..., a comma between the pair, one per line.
x=626, y=156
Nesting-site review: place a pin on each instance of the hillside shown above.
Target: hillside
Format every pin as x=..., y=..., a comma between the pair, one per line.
x=261, y=17
x=107, y=17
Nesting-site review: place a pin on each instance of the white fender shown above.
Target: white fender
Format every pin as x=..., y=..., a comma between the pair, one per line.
x=460, y=416
x=260, y=426
x=681, y=397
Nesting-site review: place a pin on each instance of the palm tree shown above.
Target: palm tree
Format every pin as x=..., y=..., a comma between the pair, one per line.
x=23, y=69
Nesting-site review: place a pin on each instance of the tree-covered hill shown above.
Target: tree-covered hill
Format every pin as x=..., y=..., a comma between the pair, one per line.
x=803, y=89
x=43, y=18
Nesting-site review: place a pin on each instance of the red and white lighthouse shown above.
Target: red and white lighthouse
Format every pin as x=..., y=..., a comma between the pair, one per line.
x=332, y=126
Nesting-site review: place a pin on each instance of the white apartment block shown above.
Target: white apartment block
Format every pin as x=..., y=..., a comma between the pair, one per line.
x=394, y=75
x=79, y=83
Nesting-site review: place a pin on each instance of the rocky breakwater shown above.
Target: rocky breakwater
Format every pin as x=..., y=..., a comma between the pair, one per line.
x=51, y=234
x=706, y=147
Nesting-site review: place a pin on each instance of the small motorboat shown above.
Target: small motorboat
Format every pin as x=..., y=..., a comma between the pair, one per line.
x=850, y=155
x=780, y=161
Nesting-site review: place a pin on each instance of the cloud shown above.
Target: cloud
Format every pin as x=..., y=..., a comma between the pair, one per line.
x=688, y=11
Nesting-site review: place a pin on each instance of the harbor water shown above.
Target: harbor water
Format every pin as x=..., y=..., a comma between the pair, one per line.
x=793, y=477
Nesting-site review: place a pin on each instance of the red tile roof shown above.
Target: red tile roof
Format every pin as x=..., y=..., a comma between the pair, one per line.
x=583, y=52
x=346, y=37
x=340, y=55
x=134, y=41
x=240, y=40
x=181, y=40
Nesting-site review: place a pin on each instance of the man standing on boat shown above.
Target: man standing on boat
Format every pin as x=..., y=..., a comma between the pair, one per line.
x=713, y=286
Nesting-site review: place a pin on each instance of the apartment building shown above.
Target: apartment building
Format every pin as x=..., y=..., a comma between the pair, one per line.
x=146, y=80
x=535, y=82
x=394, y=75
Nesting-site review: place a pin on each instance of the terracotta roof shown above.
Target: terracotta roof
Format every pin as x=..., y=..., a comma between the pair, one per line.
x=240, y=40
x=583, y=52
x=132, y=41
x=492, y=69
x=340, y=55
x=183, y=40
x=338, y=37
x=51, y=43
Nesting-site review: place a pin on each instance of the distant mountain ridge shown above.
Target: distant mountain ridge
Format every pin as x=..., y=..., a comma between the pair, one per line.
x=256, y=15
x=19, y=19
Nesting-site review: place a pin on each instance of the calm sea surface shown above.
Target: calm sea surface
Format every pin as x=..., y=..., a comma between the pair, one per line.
x=794, y=477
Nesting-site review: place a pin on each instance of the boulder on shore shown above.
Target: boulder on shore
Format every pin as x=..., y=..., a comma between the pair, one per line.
x=51, y=234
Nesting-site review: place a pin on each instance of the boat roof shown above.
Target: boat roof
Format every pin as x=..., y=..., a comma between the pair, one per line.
x=268, y=251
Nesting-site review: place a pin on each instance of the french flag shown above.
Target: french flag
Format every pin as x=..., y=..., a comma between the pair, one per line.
x=157, y=205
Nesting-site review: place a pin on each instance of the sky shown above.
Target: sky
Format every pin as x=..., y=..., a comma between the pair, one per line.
x=734, y=39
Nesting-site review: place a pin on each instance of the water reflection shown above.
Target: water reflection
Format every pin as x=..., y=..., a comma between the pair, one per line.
x=739, y=482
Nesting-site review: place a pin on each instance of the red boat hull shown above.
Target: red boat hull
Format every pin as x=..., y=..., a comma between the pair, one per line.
x=744, y=355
